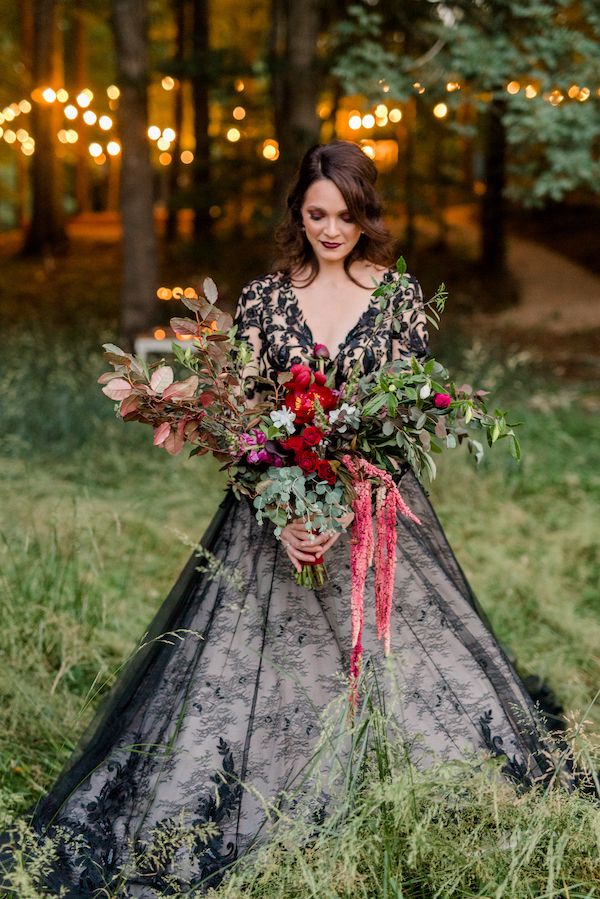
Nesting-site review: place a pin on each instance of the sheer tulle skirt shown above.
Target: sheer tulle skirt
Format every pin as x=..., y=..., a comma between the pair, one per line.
x=222, y=706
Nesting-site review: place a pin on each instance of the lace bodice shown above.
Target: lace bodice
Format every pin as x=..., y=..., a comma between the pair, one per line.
x=270, y=319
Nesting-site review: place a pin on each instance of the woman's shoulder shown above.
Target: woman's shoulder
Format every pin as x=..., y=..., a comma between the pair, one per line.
x=259, y=287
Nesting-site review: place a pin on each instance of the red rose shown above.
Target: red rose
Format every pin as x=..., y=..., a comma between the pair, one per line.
x=325, y=471
x=320, y=351
x=442, y=400
x=320, y=378
x=312, y=435
x=296, y=444
x=307, y=461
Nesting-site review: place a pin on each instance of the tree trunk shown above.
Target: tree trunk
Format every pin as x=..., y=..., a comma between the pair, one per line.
x=175, y=167
x=137, y=214
x=201, y=172
x=80, y=77
x=294, y=84
x=493, y=215
x=46, y=233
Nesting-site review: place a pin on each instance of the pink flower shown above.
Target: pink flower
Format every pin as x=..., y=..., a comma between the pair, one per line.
x=442, y=400
x=320, y=351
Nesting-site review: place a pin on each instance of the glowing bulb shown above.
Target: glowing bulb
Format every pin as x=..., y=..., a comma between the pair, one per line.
x=163, y=144
x=270, y=152
x=105, y=122
x=163, y=293
x=27, y=149
x=368, y=150
x=165, y=158
x=89, y=117
x=168, y=83
x=154, y=132
x=440, y=110
x=49, y=95
x=84, y=98
x=71, y=112
x=113, y=92
x=573, y=91
x=168, y=134
x=395, y=114
x=62, y=95
x=62, y=136
x=233, y=135
x=239, y=113
x=513, y=87
x=10, y=136
x=72, y=136
x=100, y=160
x=25, y=106
x=368, y=120
x=22, y=135
x=95, y=150
x=381, y=110
x=583, y=94
x=187, y=157
x=159, y=334
x=113, y=148
x=531, y=91
x=452, y=86
x=239, y=85
x=8, y=114
x=355, y=122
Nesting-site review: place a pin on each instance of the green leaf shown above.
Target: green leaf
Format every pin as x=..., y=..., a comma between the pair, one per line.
x=401, y=265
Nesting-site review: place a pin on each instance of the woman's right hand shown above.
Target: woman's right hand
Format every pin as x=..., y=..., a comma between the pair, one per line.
x=299, y=544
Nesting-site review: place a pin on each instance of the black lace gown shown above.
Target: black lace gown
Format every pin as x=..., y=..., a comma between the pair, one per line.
x=235, y=696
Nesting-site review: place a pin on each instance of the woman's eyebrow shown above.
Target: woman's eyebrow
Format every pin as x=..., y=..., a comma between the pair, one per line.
x=320, y=209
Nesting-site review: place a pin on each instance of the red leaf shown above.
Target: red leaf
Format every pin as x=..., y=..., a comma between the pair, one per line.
x=108, y=376
x=207, y=398
x=173, y=444
x=161, y=433
x=118, y=389
x=161, y=378
x=182, y=390
x=186, y=326
x=129, y=405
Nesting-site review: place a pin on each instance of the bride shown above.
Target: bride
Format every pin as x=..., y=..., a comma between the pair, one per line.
x=223, y=702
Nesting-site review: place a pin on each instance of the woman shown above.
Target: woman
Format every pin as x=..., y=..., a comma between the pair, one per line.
x=234, y=696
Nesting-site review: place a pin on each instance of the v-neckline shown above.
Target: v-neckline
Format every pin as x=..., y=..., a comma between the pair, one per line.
x=304, y=321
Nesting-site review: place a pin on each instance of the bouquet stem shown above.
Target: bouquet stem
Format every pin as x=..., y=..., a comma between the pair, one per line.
x=313, y=574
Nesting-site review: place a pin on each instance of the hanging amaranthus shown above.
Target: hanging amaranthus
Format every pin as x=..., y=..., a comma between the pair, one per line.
x=388, y=503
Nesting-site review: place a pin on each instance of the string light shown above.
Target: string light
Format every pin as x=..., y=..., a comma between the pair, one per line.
x=165, y=158
x=395, y=114
x=187, y=157
x=355, y=122
x=368, y=120
x=62, y=95
x=440, y=110
x=10, y=136
x=452, y=86
x=100, y=160
x=89, y=117
x=163, y=143
x=168, y=134
x=233, y=135
x=154, y=132
x=381, y=110
x=513, y=87
x=84, y=98
x=583, y=94
x=239, y=85
x=105, y=122
x=113, y=148
x=49, y=95
x=95, y=150
x=168, y=83
x=72, y=136
x=25, y=106
x=71, y=112
x=159, y=333
x=113, y=92
x=163, y=293
x=270, y=150
x=531, y=91
x=239, y=113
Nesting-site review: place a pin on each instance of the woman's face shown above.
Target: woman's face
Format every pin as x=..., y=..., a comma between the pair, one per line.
x=328, y=225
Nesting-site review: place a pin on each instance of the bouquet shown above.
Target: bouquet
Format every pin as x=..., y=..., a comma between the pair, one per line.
x=309, y=449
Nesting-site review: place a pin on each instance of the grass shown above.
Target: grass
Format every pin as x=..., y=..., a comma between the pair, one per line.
x=93, y=529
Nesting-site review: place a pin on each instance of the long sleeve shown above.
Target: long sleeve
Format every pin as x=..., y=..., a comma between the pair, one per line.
x=248, y=320
x=412, y=339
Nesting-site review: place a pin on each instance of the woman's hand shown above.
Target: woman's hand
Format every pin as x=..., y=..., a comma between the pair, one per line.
x=301, y=546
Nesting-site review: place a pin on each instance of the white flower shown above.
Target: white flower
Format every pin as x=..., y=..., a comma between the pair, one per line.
x=284, y=418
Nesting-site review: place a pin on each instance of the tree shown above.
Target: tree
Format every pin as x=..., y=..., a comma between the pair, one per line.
x=201, y=173
x=538, y=144
x=136, y=199
x=46, y=233
x=294, y=67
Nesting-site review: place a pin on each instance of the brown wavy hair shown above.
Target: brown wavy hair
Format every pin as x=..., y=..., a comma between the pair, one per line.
x=355, y=175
